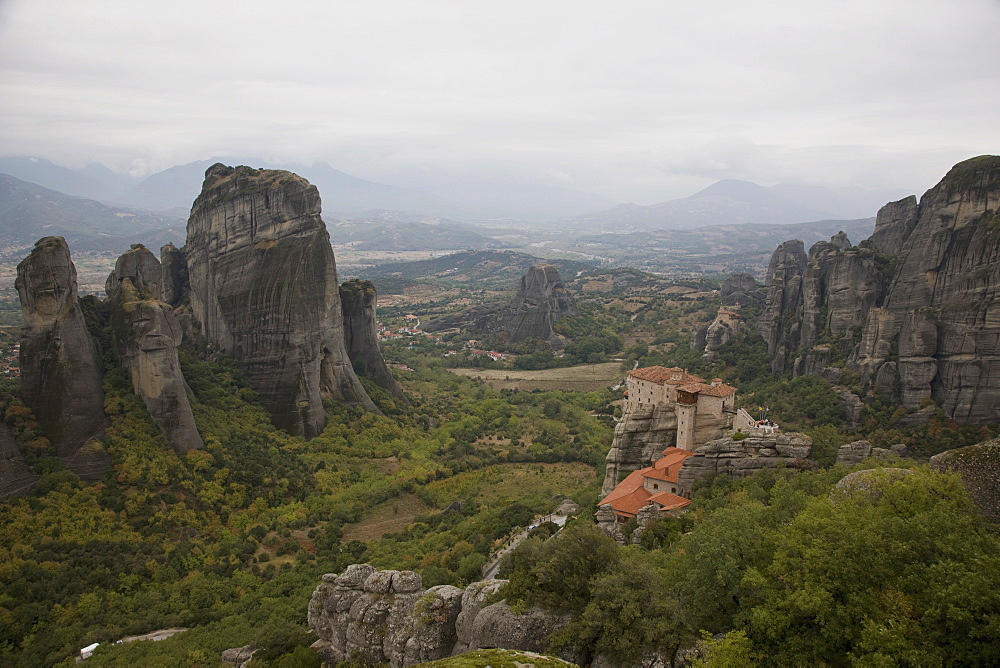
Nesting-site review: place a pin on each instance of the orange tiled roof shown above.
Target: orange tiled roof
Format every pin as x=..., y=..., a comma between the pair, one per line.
x=720, y=390
x=668, y=501
x=630, y=495
x=658, y=474
x=665, y=376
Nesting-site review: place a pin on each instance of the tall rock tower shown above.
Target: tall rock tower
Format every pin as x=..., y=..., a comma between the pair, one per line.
x=60, y=375
x=263, y=286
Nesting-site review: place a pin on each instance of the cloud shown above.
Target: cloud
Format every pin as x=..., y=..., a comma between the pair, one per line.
x=640, y=101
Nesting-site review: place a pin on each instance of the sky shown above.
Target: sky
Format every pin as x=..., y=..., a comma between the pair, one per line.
x=641, y=100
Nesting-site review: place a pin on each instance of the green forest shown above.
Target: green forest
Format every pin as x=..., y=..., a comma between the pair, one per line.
x=230, y=541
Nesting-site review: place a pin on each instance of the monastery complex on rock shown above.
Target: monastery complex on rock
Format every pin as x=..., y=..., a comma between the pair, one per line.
x=665, y=407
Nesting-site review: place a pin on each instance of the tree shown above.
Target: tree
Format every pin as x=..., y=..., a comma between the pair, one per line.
x=907, y=574
x=556, y=573
x=630, y=614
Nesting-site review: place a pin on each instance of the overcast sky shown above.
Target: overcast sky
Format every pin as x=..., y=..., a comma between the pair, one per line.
x=641, y=100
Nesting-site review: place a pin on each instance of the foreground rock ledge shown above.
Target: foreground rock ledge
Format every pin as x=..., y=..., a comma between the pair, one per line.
x=387, y=617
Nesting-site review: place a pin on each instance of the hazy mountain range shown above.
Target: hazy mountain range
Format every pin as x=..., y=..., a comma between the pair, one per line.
x=29, y=211
x=733, y=202
x=466, y=199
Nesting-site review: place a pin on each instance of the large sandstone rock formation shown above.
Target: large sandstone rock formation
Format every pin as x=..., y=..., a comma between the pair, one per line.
x=744, y=457
x=60, y=375
x=358, y=300
x=263, y=286
x=146, y=337
x=386, y=617
x=540, y=301
x=913, y=309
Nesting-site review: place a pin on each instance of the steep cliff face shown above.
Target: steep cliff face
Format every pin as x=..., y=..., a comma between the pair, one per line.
x=641, y=435
x=60, y=376
x=914, y=308
x=174, y=274
x=146, y=336
x=358, y=299
x=780, y=322
x=386, y=617
x=540, y=301
x=263, y=286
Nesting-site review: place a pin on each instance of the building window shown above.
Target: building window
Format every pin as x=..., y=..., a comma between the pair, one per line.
x=655, y=486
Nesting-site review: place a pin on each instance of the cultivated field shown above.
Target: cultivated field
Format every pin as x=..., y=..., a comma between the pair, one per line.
x=583, y=378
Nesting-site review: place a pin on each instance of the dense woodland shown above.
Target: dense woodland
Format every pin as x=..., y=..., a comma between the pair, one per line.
x=231, y=540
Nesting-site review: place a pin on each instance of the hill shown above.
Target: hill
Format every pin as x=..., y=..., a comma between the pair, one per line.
x=29, y=211
x=734, y=202
x=487, y=268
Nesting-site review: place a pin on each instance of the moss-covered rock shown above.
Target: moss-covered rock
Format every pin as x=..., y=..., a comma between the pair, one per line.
x=979, y=466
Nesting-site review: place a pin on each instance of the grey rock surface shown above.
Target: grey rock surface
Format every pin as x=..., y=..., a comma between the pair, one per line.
x=739, y=458
x=264, y=289
x=386, y=617
x=540, y=301
x=146, y=337
x=358, y=299
x=639, y=436
x=911, y=309
x=60, y=374
x=141, y=268
x=15, y=475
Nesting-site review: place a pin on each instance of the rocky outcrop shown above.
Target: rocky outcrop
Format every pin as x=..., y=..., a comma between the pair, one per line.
x=60, y=375
x=386, y=617
x=979, y=466
x=358, y=299
x=16, y=477
x=639, y=436
x=141, y=268
x=146, y=336
x=540, y=301
x=738, y=283
x=740, y=458
x=912, y=309
x=870, y=482
x=780, y=321
x=858, y=451
x=893, y=224
x=263, y=286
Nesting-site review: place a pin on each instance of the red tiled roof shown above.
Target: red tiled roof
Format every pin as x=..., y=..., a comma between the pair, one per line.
x=663, y=375
x=669, y=501
x=630, y=495
x=659, y=474
x=720, y=390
